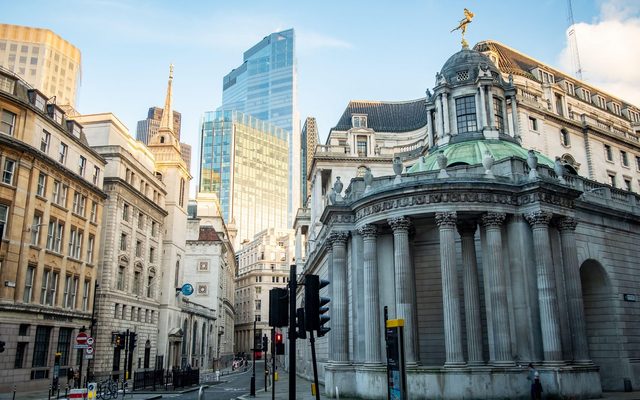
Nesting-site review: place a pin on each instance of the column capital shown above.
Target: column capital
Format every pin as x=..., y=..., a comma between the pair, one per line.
x=567, y=224
x=338, y=237
x=399, y=223
x=467, y=227
x=492, y=219
x=446, y=219
x=368, y=231
x=538, y=218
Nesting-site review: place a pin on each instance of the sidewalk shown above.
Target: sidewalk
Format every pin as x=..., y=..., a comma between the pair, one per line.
x=303, y=390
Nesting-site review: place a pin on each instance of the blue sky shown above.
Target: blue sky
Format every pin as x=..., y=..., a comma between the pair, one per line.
x=345, y=49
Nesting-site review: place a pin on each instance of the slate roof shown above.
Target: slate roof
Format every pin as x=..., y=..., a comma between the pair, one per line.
x=382, y=116
x=208, y=233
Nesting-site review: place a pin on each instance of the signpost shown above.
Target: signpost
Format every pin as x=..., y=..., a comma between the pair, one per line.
x=396, y=377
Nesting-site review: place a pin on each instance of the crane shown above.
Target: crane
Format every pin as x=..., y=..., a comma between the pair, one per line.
x=573, y=42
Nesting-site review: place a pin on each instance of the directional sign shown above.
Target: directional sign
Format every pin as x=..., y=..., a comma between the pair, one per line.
x=187, y=289
x=81, y=338
x=90, y=341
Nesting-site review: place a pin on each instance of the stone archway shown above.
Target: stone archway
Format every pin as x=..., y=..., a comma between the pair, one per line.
x=601, y=323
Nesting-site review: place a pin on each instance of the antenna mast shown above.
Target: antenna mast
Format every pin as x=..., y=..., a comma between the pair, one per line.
x=573, y=43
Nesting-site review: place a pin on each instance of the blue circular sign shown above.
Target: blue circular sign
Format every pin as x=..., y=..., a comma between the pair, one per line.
x=187, y=289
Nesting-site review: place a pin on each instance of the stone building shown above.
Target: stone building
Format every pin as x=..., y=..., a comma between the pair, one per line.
x=263, y=264
x=210, y=267
x=133, y=230
x=51, y=203
x=495, y=255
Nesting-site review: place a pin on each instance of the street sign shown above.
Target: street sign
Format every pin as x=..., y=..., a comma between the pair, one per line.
x=80, y=346
x=81, y=338
x=90, y=341
x=89, y=350
x=187, y=289
x=89, y=356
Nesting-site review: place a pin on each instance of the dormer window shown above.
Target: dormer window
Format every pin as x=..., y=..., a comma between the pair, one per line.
x=7, y=84
x=584, y=94
x=55, y=113
x=545, y=77
x=74, y=128
x=359, y=121
x=38, y=100
x=600, y=101
x=569, y=88
x=614, y=107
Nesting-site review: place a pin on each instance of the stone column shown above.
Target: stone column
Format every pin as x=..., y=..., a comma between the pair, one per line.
x=547, y=297
x=450, y=294
x=445, y=114
x=430, y=130
x=567, y=227
x=492, y=111
x=497, y=289
x=483, y=108
x=479, y=120
x=340, y=300
x=372, y=327
x=473, y=321
x=405, y=286
x=514, y=118
x=439, y=119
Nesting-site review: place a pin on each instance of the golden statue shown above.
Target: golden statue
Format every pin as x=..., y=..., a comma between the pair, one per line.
x=468, y=16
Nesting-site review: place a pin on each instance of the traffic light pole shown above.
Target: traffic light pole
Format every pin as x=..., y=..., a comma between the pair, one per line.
x=312, y=340
x=252, y=389
x=266, y=375
x=273, y=365
x=83, y=329
x=293, y=283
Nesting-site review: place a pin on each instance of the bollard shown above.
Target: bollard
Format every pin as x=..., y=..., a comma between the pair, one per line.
x=49, y=394
x=201, y=393
x=14, y=392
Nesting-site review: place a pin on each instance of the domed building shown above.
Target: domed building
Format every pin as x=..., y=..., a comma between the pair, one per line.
x=481, y=233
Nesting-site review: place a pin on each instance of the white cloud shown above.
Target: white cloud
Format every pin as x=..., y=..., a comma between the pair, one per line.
x=609, y=56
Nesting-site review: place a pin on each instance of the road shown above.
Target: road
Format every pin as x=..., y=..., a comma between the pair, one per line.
x=236, y=384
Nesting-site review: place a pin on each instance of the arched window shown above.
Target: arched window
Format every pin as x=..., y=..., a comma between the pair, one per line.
x=161, y=139
x=203, y=339
x=194, y=338
x=147, y=353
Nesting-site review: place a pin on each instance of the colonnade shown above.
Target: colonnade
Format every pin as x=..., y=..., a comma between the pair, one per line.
x=495, y=290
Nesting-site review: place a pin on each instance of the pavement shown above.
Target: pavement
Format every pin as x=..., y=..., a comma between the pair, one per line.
x=303, y=390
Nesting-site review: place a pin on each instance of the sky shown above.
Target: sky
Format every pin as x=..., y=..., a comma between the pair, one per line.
x=345, y=50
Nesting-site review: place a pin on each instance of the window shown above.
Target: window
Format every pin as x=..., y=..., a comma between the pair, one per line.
x=75, y=243
x=627, y=184
x=546, y=77
x=624, y=158
x=8, y=122
x=181, y=199
x=45, y=141
x=533, y=124
x=138, y=248
x=94, y=211
x=42, y=184
x=79, y=202
x=359, y=121
x=28, y=284
x=54, y=235
x=559, y=105
x=565, y=137
x=66, y=298
x=41, y=346
x=49, y=288
x=21, y=352
x=90, y=246
x=258, y=305
x=152, y=255
x=638, y=163
x=150, y=284
x=136, y=282
x=140, y=221
x=82, y=163
x=466, y=114
x=154, y=225
x=35, y=230
x=7, y=84
x=125, y=212
x=59, y=195
x=585, y=95
x=361, y=146
x=498, y=116
x=123, y=242
x=9, y=169
x=615, y=108
x=96, y=175
x=4, y=211
x=601, y=102
x=120, y=280
x=62, y=153
x=64, y=345
x=85, y=295
x=258, y=289
x=612, y=180
x=608, y=153
x=569, y=88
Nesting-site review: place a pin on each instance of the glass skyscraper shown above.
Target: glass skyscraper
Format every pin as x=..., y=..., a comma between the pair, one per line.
x=265, y=86
x=244, y=161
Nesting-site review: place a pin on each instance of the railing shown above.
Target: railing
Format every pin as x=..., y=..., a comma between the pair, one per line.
x=148, y=379
x=184, y=378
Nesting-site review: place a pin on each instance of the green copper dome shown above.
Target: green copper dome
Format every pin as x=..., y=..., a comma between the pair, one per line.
x=473, y=151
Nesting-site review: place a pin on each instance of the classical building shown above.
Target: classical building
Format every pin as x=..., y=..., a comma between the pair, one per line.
x=43, y=59
x=51, y=203
x=149, y=126
x=489, y=217
x=127, y=297
x=244, y=162
x=210, y=266
x=263, y=264
x=265, y=86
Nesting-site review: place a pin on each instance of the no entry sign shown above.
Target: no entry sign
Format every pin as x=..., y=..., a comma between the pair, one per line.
x=81, y=338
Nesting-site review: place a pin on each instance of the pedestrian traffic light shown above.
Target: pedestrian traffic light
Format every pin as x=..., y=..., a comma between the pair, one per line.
x=301, y=333
x=278, y=307
x=279, y=344
x=315, y=306
x=2, y=343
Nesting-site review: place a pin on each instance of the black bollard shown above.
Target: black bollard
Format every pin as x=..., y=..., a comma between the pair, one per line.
x=49, y=394
x=14, y=392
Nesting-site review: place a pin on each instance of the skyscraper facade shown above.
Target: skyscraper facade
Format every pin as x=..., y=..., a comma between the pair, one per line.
x=244, y=161
x=265, y=86
x=43, y=59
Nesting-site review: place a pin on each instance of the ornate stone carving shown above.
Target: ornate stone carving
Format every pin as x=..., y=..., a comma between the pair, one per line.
x=399, y=223
x=558, y=168
x=338, y=185
x=368, y=231
x=538, y=218
x=467, y=227
x=567, y=224
x=338, y=237
x=492, y=219
x=446, y=219
x=532, y=162
x=487, y=163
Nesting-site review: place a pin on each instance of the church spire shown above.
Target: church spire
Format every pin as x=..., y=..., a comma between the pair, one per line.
x=166, y=123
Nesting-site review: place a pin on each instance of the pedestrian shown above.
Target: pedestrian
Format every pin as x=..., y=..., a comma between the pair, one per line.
x=536, y=390
x=70, y=376
x=532, y=377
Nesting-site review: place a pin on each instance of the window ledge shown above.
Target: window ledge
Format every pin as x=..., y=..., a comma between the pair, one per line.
x=626, y=166
x=42, y=198
x=82, y=217
x=609, y=161
x=94, y=223
x=35, y=247
x=54, y=253
x=7, y=185
x=61, y=207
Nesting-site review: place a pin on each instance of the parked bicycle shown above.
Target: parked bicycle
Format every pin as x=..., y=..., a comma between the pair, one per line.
x=107, y=389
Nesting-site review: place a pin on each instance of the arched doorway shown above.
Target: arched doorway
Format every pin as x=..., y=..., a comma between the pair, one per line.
x=601, y=323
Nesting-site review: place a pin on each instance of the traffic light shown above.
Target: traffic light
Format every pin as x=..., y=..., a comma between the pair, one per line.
x=301, y=332
x=315, y=306
x=2, y=346
x=119, y=340
x=257, y=342
x=133, y=338
x=279, y=344
x=278, y=307
x=265, y=344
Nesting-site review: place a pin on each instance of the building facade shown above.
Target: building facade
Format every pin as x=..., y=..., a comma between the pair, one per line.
x=148, y=127
x=265, y=86
x=43, y=59
x=244, y=161
x=263, y=264
x=309, y=139
x=51, y=207
x=127, y=298
x=210, y=267
x=464, y=216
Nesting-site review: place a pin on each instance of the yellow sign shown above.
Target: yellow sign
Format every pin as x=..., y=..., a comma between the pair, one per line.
x=394, y=323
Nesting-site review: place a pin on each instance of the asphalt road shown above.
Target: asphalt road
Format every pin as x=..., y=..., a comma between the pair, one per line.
x=234, y=385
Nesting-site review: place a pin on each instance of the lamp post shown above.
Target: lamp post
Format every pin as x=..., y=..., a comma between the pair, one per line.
x=253, y=374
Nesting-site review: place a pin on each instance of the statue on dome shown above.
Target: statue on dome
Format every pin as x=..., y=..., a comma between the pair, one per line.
x=462, y=26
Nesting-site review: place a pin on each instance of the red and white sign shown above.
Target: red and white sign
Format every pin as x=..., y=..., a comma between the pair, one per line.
x=78, y=394
x=81, y=338
x=89, y=350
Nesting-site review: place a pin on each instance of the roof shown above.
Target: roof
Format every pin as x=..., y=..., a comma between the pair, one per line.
x=402, y=116
x=208, y=233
